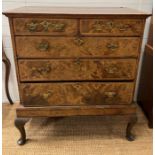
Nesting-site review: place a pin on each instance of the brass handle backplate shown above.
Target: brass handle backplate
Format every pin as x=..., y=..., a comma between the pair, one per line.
x=79, y=41
x=44, y=26
x=43, y=46
x=100, y=26
x=32, y=27
x=41, y=70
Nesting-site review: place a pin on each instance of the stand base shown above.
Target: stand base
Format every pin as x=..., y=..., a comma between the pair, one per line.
x=25, y=113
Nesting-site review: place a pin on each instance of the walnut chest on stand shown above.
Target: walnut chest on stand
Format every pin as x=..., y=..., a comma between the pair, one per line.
x=76, y=61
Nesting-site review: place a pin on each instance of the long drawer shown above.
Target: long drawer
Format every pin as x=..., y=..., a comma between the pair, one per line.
x=95, y=93
x=111, y=27
x=45, y=26
x=77, y=69
x=59, y=47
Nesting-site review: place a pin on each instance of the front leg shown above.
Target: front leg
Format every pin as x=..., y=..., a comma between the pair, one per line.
x=19, y=123
x=131, y=123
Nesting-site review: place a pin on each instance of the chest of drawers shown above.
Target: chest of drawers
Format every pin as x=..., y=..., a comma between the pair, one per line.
x=76, y=61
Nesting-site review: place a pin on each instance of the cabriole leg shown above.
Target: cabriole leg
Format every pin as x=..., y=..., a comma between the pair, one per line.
x=19, y=123
x=131, y=123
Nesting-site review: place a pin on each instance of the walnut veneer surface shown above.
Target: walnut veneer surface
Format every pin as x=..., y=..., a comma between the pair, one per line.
x=76, y=61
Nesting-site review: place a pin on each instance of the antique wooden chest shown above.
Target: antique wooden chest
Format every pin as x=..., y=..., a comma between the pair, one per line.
x=76, y=61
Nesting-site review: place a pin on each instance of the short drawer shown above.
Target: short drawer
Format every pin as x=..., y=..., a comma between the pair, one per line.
x=100, y=93
x=111, y=27
x=39, y=26
x=67, y=47
x=77, y=69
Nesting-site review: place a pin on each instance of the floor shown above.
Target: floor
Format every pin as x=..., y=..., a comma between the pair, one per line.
x=76, y=136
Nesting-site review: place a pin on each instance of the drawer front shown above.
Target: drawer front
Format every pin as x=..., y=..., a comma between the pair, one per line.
x=59, y=47
x=114, y=27
x=47, y=94
x=77, y=69
x=39, y=26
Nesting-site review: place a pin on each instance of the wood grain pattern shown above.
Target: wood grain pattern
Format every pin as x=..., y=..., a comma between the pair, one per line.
x=67, y=47
x=45, y=26
x=77, y=69
x=46, y=94
x=111, y=27
x=59, y=111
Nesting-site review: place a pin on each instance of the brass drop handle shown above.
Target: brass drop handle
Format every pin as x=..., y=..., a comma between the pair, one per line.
x=32, y=27
x=77, y=86
x=110, y=94
x=45, y=25
x=98, y=26
x=47, y=94
x=77, y=61
x=58, y=27
x=123, y=27
x=111, y=70
x=43, y=46
x=42, y=70
x=79, y=41
x=110, y=24
x=112, y=46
